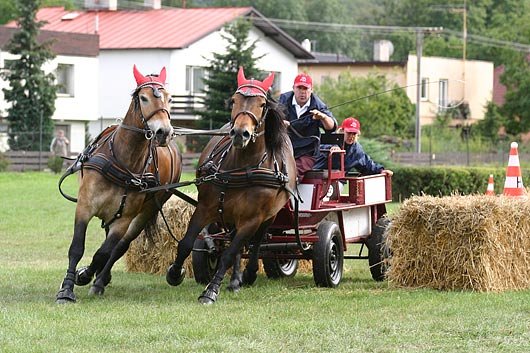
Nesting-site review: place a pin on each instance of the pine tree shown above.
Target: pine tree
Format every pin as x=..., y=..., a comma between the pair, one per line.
x=31, y=91
x=221, y=81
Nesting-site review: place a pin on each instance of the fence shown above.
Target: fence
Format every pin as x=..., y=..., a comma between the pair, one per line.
x=454, y=158
x=30, y=160
x=20, y=161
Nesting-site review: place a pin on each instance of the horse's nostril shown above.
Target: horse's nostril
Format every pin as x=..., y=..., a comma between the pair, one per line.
x=246, y=135
x=232, y=133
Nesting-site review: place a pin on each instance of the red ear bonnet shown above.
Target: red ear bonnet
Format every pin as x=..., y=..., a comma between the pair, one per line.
x=253, y=87
x=142, y=80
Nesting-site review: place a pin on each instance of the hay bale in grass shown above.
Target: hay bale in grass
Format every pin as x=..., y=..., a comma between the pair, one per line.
x=479, y=243
x=154, y=249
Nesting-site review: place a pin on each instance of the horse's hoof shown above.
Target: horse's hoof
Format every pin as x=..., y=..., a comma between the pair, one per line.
x=249, y=278
x=65, y=296
x=96, y=290
x=209, y=295
x=234, y=286
x=83, y=276
x=173, y=278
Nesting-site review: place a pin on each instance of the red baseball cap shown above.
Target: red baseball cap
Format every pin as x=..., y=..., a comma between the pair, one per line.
x=351, y=125
x=303, y=80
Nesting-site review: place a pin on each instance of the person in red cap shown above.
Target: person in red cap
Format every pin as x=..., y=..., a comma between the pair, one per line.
x=306, y=114
x=355, y=157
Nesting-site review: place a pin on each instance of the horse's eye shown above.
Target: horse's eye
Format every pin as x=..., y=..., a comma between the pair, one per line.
x=143, y=98
x=263, y=106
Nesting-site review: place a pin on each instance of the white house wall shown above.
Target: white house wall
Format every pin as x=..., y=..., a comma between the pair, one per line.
x=116, y=80
x=69, y=110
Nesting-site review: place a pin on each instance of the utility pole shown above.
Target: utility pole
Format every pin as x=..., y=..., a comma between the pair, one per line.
x=419, y=50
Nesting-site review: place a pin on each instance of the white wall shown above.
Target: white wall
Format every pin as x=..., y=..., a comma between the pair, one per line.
x=69, y=110
x=83, y=105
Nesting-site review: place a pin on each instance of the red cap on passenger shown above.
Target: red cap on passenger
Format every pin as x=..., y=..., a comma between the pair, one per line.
x=351, y=125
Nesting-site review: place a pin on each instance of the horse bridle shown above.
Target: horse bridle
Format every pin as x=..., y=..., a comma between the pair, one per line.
x=257, y=122
x=148, y=133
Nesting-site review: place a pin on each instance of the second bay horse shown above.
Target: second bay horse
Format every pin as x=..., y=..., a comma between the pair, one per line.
x=247, y=177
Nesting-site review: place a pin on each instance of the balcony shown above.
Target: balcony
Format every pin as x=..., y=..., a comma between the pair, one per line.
x=185, y=105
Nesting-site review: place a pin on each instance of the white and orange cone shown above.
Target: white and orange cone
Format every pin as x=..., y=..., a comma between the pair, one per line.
x=490, y=190
x=513, y=186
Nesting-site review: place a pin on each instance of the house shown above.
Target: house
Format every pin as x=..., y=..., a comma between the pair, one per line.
x=182, y=40
x=77, y=99
x=444, y=81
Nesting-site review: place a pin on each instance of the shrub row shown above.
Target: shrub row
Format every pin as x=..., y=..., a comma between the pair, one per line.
x=445, y=181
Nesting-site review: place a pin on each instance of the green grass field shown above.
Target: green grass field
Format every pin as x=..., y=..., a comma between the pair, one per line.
x=141, y=313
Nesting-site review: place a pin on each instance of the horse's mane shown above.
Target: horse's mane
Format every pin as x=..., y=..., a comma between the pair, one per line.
x=275, y=128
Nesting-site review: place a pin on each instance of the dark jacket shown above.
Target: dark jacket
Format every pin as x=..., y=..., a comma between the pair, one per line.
x=355, y=157
x=308, y=128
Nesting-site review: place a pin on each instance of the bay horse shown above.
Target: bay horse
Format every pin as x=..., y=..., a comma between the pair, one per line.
x=123, y=160
x=244, y=179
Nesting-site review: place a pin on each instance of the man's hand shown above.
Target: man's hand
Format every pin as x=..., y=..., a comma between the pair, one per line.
x=327, y=121
x=318, y=115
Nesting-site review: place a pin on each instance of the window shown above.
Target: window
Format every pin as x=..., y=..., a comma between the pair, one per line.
x=195, y=79
x=65, y=79
x=443, y=87
x=8, y=65
x=424, y=89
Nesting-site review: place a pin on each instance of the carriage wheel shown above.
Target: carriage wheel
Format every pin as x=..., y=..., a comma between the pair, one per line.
x=377, y=251
x=328, y=255
x=204, y=263
x=280, y=268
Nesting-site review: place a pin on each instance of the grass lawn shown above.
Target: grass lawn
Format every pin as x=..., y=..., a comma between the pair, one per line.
x=141, y=313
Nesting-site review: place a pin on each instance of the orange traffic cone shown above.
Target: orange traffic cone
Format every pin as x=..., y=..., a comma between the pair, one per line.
x=513, y=186
x=490, y=189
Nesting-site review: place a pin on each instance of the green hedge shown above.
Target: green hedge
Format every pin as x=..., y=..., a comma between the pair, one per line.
x=444, y=181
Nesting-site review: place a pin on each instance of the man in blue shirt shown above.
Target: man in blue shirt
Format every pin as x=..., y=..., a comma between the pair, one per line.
x=355, y=157
x=306, y=115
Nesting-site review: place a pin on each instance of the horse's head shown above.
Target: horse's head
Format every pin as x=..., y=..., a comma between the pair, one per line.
x=153, y=100
x=249, y=108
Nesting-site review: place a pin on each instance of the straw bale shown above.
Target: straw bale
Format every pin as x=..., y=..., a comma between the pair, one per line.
x=154, y=249
x=476, y=242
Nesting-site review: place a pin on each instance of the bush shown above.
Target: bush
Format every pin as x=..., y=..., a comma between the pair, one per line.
x=446, y=181
x=55, y=163
x=4, y=162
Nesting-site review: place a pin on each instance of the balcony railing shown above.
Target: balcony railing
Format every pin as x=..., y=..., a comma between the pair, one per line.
x=186, y=104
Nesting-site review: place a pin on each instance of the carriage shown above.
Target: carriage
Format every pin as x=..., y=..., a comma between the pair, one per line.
x=339, y=209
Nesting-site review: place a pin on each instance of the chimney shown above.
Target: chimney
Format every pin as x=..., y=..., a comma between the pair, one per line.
x=111, y=5
x=306, y=44
x=153, y=4
x=383, y=49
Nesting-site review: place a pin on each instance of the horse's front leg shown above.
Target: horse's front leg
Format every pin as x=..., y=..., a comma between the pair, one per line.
x=75, y=253
x=251, y=270
x=211, y=292
x=176, y=272
x=116, y=244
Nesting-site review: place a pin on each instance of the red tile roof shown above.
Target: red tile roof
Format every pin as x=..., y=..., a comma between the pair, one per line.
x=142, y=29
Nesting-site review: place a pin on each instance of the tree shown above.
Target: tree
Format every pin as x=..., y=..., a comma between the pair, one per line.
x=516, y=107
x=489, y=127
x=221, y=81
x=31, y=91
x=380, y=112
